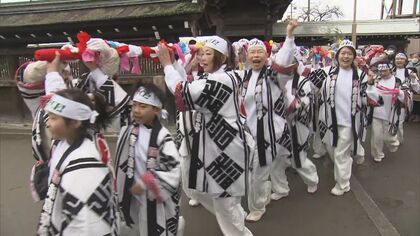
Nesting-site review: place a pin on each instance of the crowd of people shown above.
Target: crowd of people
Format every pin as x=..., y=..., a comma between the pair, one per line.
x=246, y=111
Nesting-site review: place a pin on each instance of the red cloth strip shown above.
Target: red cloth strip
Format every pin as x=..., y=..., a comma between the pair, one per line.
x=288, y=70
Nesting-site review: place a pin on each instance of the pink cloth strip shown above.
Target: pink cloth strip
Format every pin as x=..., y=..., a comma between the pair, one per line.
x=150, y=182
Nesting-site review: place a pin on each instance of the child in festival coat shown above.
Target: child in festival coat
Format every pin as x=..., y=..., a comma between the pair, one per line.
x=410, y=83
x=386, y=117
x=79, y=199
x=147, y=169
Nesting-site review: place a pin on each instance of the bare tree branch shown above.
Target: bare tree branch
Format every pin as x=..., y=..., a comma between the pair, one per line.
x=319, y=13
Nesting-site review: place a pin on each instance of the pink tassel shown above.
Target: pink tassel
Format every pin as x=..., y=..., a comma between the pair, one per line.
x=393, y=92
x=152, y=185
x=88, y=55
x=136, y=66
x=124, y=62
x=91, y=56
x=386, y=90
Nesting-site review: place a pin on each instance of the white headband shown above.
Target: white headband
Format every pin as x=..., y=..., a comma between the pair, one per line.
x=218, y=44
x=346, y=43
x=256, y=43
x=244, y=41
x=383, y=66
x=70, y=109
x=147, y=97
x=401, y=55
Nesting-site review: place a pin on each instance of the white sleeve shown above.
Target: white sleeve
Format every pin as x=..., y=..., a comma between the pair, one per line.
x=284, y=58
x=373, y=94
x=401, y=96
x=289, y=96
x=285, y=55
x=99, y=77
x=54, y=82
x=172, y=77
x=180, y=69
x=414, y=83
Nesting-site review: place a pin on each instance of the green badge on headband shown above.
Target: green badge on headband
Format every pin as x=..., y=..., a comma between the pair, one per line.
x=58, y=107
x=145, y=93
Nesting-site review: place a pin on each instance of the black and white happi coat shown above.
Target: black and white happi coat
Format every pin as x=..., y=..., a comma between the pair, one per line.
x=300, y=98
x=161, y=179
x=219, y=155
x=184, y=127
x=185, y=119
x=397, y=104
x=326, y=79
x=80, y=197
x=409, y=83
x=284, y=118
x=116, y=98
x=269, y=126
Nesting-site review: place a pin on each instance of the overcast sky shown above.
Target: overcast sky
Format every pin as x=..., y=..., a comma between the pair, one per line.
x=366, y=9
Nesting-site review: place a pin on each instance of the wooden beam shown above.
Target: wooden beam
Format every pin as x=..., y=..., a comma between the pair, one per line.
x=144, y=33
x=400, y=6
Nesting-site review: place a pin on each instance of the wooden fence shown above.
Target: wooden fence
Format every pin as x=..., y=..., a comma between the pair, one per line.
x=13, y=109
x=9, y=64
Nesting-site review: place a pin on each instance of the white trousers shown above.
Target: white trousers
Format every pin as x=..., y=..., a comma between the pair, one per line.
x=380, y=135
x=185, y=169
x=228, y=211
x=279, y=183
x=317, y=144
x=342, y=156
x=400, y=133
x=259, y=186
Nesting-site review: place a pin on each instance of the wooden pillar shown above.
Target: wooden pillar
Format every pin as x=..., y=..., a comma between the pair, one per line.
x=382, y=9
x=268, y=32
x=13, y=65
x=400, y=6
x=220, y=25
x=220, y=28
x=194, y=28
x=394, y=8
x=270, y=10
x=354, y=25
